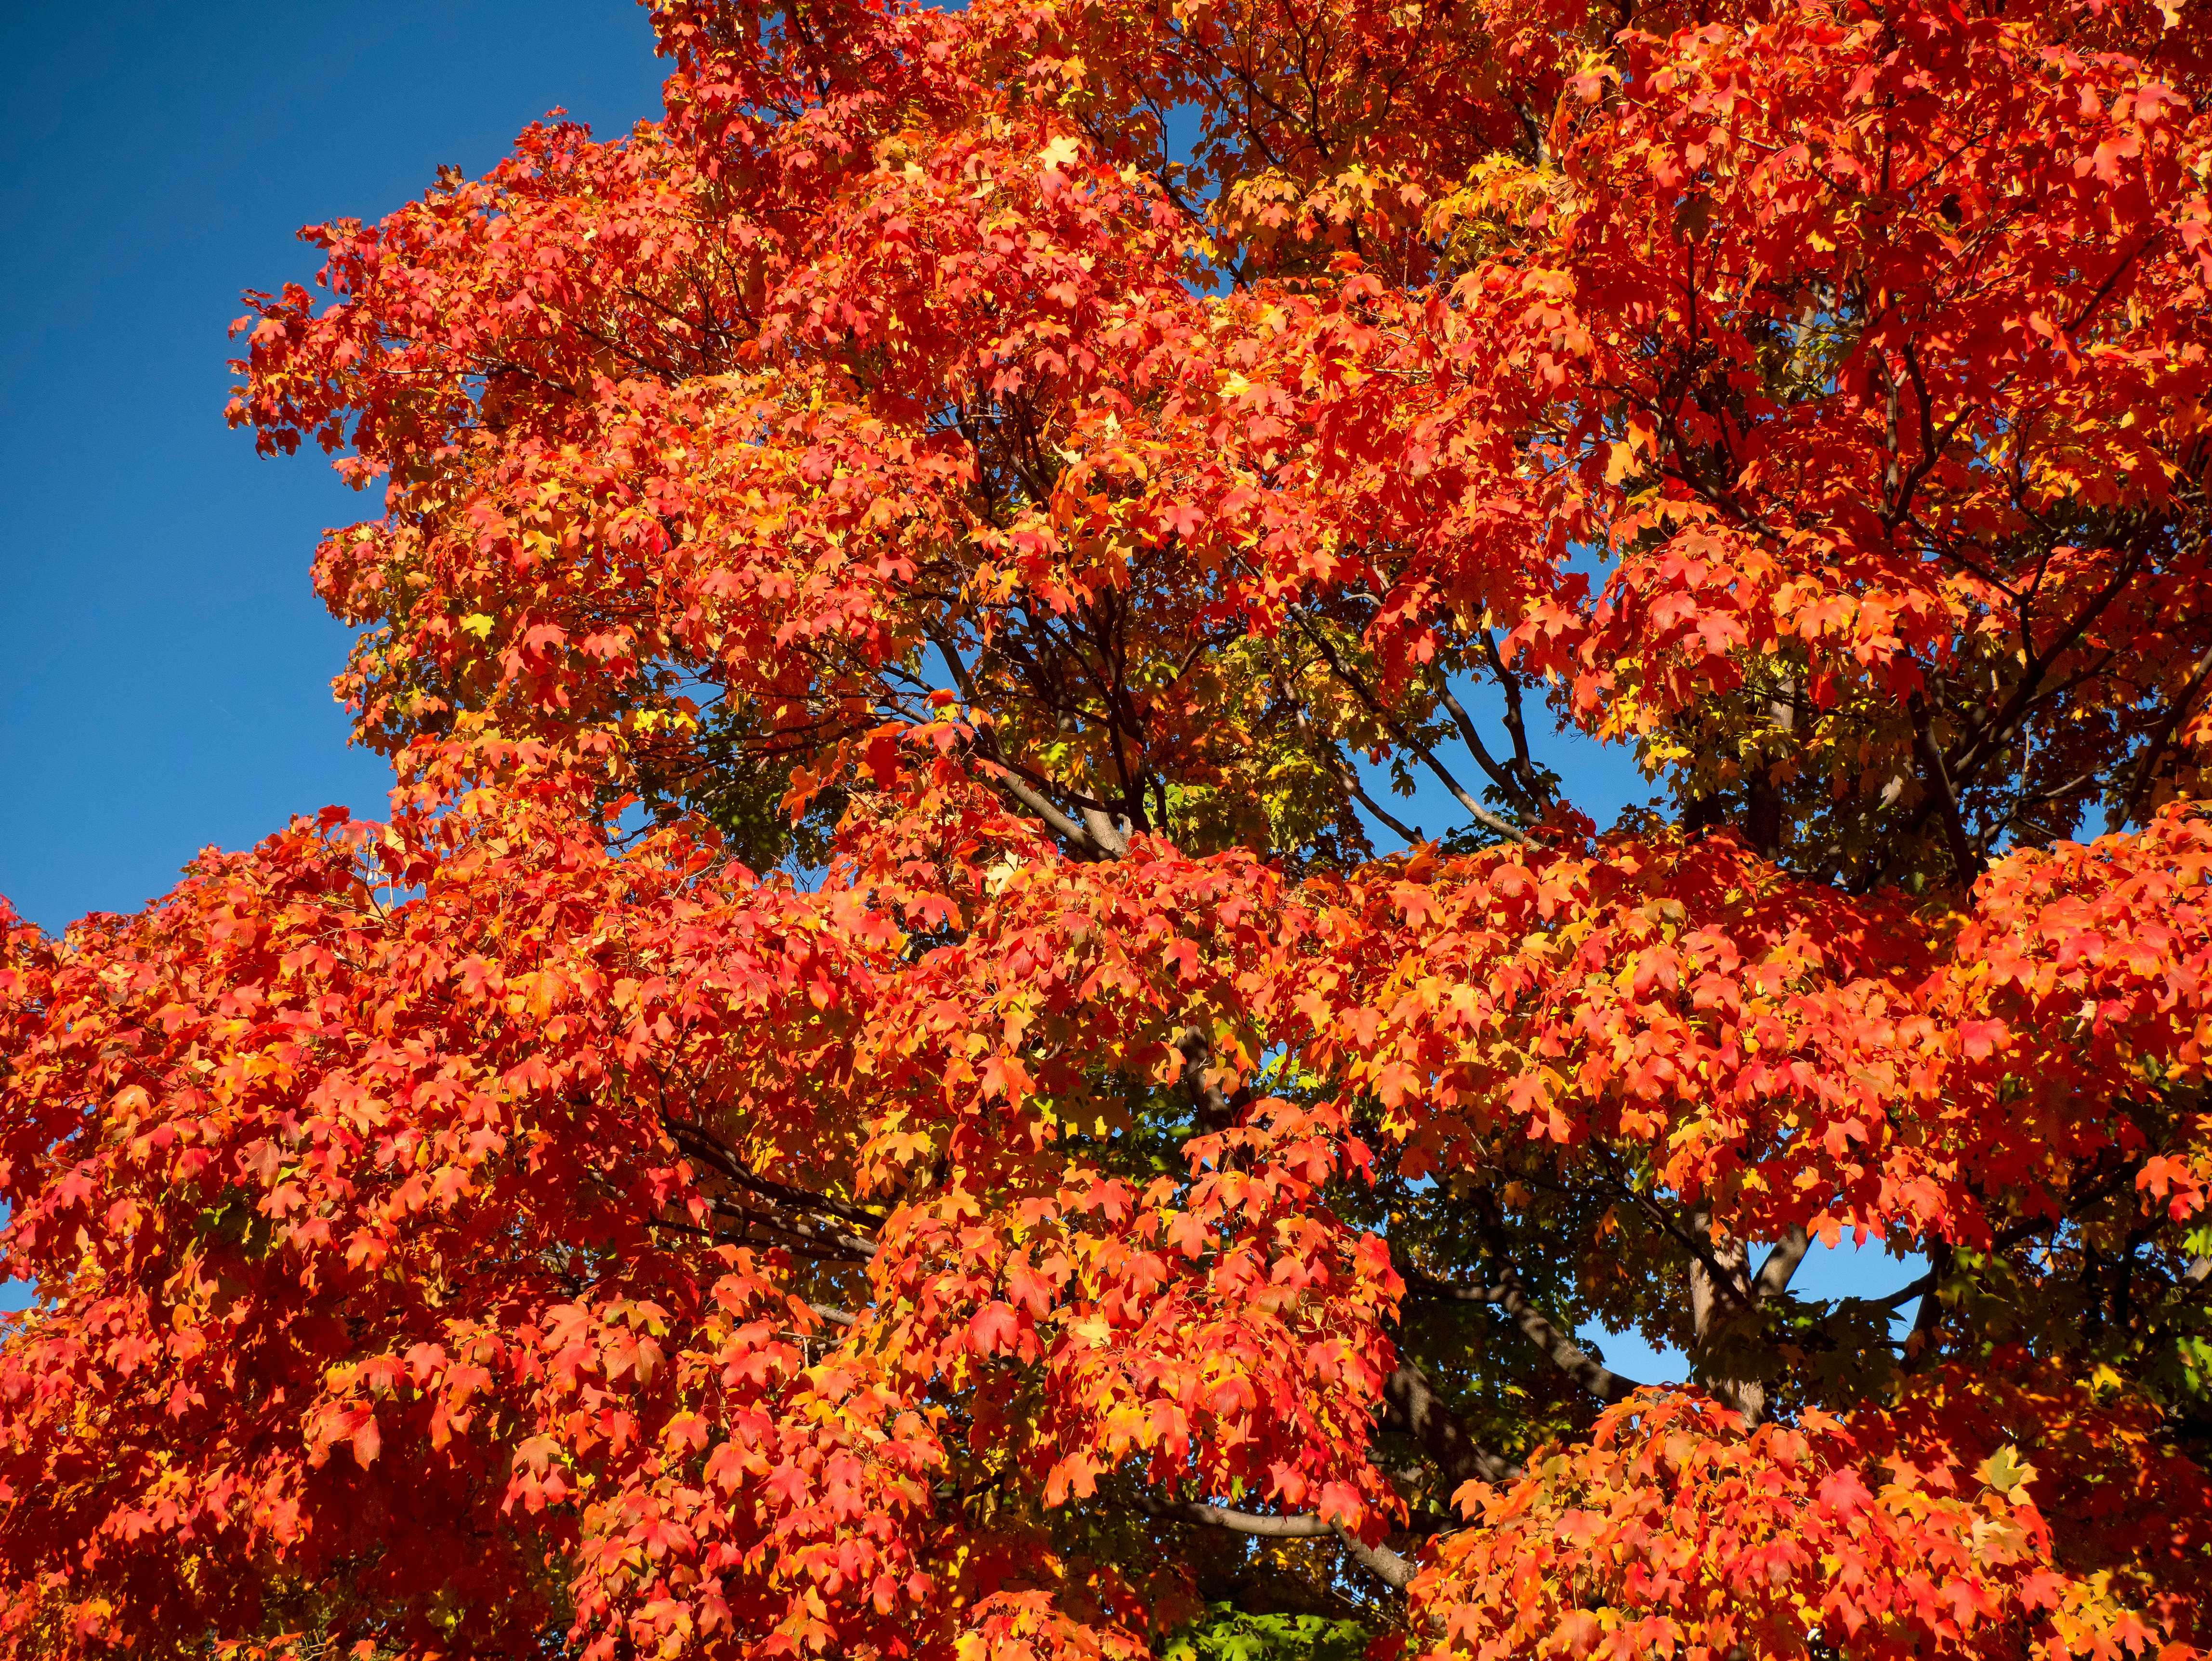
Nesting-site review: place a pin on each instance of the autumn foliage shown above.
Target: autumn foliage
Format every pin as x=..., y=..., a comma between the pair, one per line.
x=875, y=1097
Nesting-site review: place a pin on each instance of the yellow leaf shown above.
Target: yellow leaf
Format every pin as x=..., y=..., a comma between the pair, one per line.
x=2005, y=1470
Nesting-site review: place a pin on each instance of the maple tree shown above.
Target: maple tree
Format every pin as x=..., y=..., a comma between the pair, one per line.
x=875, y=1097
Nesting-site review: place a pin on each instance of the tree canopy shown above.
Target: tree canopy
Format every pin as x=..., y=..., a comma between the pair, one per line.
x=875, y=1097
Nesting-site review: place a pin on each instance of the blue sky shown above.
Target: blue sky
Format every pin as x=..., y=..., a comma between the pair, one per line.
x=164, y=681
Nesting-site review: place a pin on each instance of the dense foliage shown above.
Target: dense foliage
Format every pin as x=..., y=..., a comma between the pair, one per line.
x=875, y=1097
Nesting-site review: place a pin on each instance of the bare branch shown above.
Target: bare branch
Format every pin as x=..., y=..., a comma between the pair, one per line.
x=1965, y=861
x=1096, y=835
x=1236, y=1522
x=2146, y=770
x=1410, y=835
x=1393, y=1569
x=1569, y=1357
x=1397, y=730
x=1216, y=1109
x=1346, y=773
x=1563, y=1353
x=1781, y=1265
x=1472, y=740
x=1515, y=723
x=827, y=1242
x=702, y=1144
x=1415, y=1407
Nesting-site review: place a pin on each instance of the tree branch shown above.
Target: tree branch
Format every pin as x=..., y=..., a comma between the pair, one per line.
x=1346, y=773
x=1475, y=746
x=1095, y=836
x=1516, y=725
x=1563, y=1353
x=2130, y=804
x=1938, y=782
x=1694, y=1241
x=845, y=1247
x=1397, y=730
x=1235, y=1522
x=1417, y=1408
x=1781, y=1265
x=1410, y=835
x=1216, y=1110
x=1393, y=1569
x=702, y=1144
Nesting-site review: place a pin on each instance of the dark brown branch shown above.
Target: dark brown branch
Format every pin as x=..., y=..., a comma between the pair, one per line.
x=1932, y=444
x=1563, y=1353
x=1397, y=730
x=1216, y=1110
x=1919, y=1344
x=1516, y=724
x=1475, y=746
x=2035, y=659
x=1694, y=1241
x=1415, y=1407
x=1410, y=835
x=2103, y=290
x=2130, y=804
x=1781, y=1266
x=1346, y=773
x=830, y=1243
x=1392, y=1568
x=703, y=1144
x=1095, y=837
x=1936, y=781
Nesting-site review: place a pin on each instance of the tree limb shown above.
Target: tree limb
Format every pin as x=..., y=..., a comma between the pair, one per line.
x=1781, y=1265
x=845, y=1247
x=1235, y=1522
x=703, y=1144
x=1415, y=1407
x=1096, y=835
x=1393, y=1569
x=1515, y=724
x=1346, y=773
x=1936, y=781
x=1563, y=1353
x=1216, y=1110
x=2146, y=770
x=1569, y=1357
x=1476, y=747
x=1397, y=730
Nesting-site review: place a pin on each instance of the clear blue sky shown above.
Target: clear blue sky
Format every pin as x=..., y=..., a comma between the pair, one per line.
x=164, y=684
